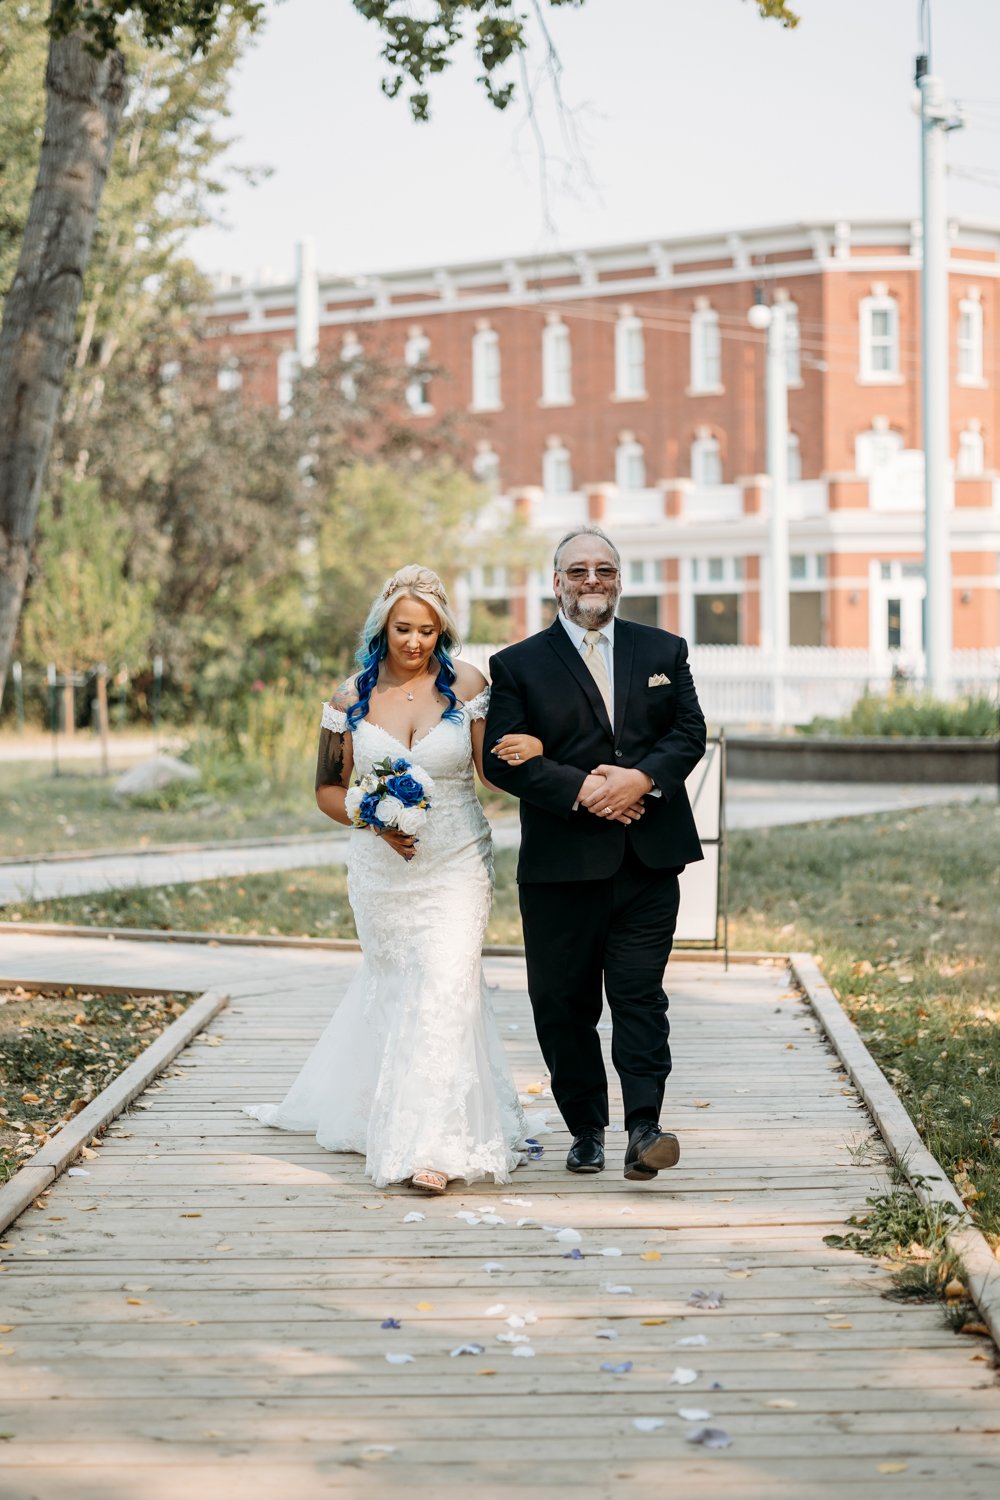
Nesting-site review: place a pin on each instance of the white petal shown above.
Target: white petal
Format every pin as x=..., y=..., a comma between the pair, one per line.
x=606, y=1333
x=682, y=1376
x=399, y=1359
x=522, y=1222
x=524, y=1350
x=77, y=1172
x=569, y=1236
x=413, y=1217
x=695, y=1339
x=647, y=1424
x=514, y=1321
x=614, y=1290
x=610, y=1250
x=495, y=1310
x=491, y=1265
x=694, y=1413
x=513, y=1338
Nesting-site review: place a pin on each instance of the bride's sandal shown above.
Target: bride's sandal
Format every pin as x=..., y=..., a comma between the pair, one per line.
x=429, y=1182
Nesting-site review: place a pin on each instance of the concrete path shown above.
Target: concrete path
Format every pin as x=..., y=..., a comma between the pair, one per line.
x=751, y=804
x=204, y=1314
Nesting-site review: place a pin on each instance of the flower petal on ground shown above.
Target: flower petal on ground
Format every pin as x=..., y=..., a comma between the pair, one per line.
x=683, y=1376
x=709, y=1437
x=647, y=1424
x=399, y=1359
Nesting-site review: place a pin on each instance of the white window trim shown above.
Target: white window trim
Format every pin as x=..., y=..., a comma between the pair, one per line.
x=557, y=455
x=976, y=435
x=485, y=339
x=417, y=351
x=867, y=375
x=704, y=323
x=555, y=339
x=793, y=382
x=627, y=325
x=629, y=449
x=705, y=443
x=975, y=377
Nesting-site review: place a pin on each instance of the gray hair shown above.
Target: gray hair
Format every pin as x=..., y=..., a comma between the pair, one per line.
x=586, y=531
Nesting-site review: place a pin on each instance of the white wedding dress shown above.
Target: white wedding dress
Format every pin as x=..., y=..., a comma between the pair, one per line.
x=411, y=1070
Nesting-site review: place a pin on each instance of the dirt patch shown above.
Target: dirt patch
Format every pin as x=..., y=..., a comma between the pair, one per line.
x=59, y=1048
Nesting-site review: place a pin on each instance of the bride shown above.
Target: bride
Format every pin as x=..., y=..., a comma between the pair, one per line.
x=411, y=1070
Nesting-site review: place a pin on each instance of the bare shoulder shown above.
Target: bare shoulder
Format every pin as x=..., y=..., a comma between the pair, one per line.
x=469, y=681
x=345, y=696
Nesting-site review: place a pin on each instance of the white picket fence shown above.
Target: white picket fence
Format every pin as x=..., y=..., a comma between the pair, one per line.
x=737, y=685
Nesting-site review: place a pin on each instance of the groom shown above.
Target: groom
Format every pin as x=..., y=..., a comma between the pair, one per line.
x=606, y=828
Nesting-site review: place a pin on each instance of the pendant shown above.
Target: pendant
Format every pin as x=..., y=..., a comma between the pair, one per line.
x=410, y=697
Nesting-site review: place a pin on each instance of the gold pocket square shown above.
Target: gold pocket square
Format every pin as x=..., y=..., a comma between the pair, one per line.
x=659, y=679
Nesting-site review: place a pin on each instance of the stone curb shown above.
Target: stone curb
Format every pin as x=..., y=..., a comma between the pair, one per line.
x=74, y=856
x=44, y=1167
x=925, y=1174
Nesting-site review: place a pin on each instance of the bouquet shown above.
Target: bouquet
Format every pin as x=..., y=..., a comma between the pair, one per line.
x=394, y=794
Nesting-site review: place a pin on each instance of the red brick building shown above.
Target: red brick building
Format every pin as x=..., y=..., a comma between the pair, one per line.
x=625, y=385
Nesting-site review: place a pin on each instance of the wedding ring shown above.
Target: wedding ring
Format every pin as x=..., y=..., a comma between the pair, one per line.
x=607, y=809
x=516, y=756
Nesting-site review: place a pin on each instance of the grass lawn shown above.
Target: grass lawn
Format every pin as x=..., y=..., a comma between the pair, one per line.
x=43, y=814
x=58, y=1049
x=901, y=909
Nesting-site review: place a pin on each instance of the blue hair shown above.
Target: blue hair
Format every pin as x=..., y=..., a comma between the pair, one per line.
x=374, y=651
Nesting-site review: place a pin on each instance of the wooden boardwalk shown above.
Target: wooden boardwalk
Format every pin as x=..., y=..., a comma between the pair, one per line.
x=202, y=1315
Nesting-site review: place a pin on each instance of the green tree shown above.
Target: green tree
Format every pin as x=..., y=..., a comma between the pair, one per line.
x=87, y=89
x=85, y=610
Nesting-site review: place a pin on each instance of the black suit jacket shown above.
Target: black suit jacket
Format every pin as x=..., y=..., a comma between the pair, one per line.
x=541, y=686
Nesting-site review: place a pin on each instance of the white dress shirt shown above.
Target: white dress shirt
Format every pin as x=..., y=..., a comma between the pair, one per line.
x=606, y=646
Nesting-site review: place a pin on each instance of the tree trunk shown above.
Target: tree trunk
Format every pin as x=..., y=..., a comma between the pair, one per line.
x=86, y=98
x=102, y=715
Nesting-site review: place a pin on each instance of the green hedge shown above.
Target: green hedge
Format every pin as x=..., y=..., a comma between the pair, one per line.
x=903, y=715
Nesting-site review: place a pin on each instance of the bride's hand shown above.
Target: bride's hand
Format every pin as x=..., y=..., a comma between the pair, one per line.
x=405, y=844
x=515, y=749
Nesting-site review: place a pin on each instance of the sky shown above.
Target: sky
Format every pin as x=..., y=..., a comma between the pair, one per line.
x=688, y=116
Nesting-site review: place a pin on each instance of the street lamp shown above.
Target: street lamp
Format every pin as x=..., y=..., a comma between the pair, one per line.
x=774, y=601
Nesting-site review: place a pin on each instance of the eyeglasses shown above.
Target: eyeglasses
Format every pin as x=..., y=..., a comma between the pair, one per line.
x=604, y=574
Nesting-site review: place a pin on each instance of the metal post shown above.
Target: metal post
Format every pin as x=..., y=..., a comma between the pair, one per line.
x=157, y=692
x=777, y=527
x=936, y=119
x=50, y=677
x=306, y=304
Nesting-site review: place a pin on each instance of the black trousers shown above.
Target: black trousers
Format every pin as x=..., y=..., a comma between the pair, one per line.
x=580, y=936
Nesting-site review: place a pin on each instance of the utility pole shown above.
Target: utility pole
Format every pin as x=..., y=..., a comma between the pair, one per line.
x=936, y=119
x=775, y=601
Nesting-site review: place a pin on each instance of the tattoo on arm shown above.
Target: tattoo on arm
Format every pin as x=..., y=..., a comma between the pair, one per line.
x=331, y=759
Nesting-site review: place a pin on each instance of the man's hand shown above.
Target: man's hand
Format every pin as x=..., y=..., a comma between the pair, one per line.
x=610, y=791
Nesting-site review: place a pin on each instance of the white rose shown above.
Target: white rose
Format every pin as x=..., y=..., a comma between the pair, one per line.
x=419, y=774
x=369, y=783
x=352, y=801
x=411, y=819
x=389, y=809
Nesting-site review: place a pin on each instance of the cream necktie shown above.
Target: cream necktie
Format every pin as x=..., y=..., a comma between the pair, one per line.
x=594, y=661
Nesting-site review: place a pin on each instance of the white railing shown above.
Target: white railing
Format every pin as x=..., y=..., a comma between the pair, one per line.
x=713, y=502
x=737, y=684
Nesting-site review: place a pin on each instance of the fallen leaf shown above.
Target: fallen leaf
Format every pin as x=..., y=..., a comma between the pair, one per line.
x=702, y=1104
x=974, y=1328
x=955, y=1288
x=843, y=1324
x=425, y=1307
x=654, y=1322
x=709, y=1437
x=136, y=1301
x=651, y=1255
x=486, y=1372
x=892, y=1468
x=780, y=1404
x=190, y=1216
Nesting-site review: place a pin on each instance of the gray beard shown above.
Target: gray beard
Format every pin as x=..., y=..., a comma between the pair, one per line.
x=589, y=616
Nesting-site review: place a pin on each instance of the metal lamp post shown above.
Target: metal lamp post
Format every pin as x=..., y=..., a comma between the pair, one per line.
x=774, y=612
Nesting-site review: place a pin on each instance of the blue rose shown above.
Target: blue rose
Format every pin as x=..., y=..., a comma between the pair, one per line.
x=406, y=788
x=368, y=811
x=400, y=765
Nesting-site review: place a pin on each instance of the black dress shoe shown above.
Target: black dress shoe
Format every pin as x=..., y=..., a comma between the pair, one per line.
x=649, y=1150
x=587, y=1151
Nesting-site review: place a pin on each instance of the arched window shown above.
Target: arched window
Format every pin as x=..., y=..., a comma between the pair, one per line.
x=557, y=364
x=630, y=357
x=288, y=369
x=486, y=369
x=876, y=448
x=970, y=340
x=971, y=455
x=706, y=350
x=879, y=320
x=630, y=464
x=229, y=377
x=793, y=345
x=557, y=471
x=794, y=458
x=350, y=354
x=416, y=355
x=706, y=459
x=486, y=467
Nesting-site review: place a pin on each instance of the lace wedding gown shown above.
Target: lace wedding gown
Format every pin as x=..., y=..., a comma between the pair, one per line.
x=411, y=1070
